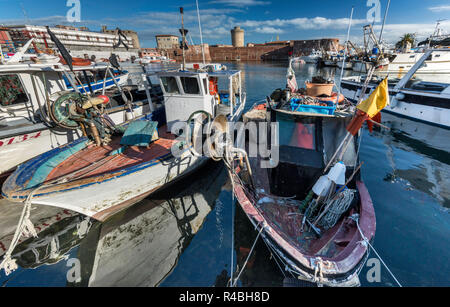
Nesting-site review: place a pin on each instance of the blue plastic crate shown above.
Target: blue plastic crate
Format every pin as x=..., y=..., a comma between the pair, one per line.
x=306, y=108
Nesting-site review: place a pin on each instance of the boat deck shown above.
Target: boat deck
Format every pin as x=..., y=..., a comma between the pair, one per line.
x=94, y=161
x=284, y=216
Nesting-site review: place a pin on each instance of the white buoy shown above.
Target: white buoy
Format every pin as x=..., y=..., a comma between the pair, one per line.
x=337, y=173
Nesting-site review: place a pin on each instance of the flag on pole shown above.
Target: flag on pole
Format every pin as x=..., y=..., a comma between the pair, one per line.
x=370, y=108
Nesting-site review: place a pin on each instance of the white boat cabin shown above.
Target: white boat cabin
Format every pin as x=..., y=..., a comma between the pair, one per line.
x=186, y=92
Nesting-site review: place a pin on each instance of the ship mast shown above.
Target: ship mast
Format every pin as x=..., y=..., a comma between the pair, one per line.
x=200, y=28
x=183, y=35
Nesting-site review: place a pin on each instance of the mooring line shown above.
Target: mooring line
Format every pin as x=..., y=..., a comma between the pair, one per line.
x=355, y=217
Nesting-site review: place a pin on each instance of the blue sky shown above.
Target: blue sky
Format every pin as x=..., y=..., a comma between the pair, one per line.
x=262, y=20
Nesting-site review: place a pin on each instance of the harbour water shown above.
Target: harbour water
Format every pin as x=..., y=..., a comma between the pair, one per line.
x=182, y=236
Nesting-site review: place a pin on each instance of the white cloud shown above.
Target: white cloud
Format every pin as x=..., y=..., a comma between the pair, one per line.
x=317, y=23
x=440, y=8
x=268, y=30
x=240, y=3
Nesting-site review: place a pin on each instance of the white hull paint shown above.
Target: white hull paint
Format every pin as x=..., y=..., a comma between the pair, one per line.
x=347, y=65
x=110, y=196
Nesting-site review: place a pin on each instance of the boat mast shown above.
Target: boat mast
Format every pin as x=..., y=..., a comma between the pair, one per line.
x=343, y=60
x=200, y=28
x=183, y=35
x=384, y=20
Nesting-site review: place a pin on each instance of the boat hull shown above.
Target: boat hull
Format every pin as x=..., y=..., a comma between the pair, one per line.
x=102, y=196
x=340, y=271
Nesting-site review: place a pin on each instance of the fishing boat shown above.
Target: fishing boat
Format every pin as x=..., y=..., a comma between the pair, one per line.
x=411, y=96
x=113, y=166
x=303, y=190
x=30, y=89
x=360, y=66
x=346, y=65
x=313, y=58
x=139, y=247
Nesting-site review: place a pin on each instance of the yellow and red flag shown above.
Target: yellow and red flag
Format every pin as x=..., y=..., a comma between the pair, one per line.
x=370, y=108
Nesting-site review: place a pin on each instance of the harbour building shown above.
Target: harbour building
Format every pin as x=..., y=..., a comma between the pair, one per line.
x=81, y=42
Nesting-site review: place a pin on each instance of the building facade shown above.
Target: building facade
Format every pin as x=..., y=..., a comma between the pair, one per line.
x=80, y=42
x=167, y=41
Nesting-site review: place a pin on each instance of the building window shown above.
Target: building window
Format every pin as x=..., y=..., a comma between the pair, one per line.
x=11, y=90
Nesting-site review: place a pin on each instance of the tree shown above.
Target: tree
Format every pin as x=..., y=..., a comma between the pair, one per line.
x=406, y=38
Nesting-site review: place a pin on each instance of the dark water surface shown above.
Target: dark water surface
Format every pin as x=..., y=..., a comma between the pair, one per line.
x=182, y=235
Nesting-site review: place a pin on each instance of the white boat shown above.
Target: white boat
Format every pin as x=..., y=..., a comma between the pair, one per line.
x=313, y=57
x=27, y=92
x=118, y=170
x=360, y=66
x=435, y=68
x=410, y=97
x=346, y=65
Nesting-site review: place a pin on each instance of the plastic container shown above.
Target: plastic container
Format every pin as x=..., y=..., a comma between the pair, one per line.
x=318, y=89
x=322, y=186
x=296, y=105
x=337, y=173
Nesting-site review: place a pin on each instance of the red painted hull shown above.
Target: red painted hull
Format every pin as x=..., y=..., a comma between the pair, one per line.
x=340, y=248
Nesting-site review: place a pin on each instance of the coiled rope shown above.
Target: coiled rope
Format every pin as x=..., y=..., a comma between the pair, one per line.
x=337, y=206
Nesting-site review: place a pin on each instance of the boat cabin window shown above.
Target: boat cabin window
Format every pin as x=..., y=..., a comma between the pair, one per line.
x=170, y=85
x=297, y=134
x=190, y=85
x=11, y=90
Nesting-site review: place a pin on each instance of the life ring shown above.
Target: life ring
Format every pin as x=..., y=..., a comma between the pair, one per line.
x=76, y=61
x=213, y=87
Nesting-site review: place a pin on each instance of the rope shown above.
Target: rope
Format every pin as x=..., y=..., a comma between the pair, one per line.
x=355, y=217
x=24, y=228
x=248, y=257
x=337, y=206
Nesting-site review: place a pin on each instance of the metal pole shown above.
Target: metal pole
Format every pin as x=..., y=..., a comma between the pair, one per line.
x=343, y=60
x=183, y=38
x=201, y=36
x=384, y=20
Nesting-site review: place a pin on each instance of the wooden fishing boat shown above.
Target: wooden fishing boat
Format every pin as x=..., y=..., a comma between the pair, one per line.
x=138, y=247
x=314, y=237
x=28, y=90
x=114, y=166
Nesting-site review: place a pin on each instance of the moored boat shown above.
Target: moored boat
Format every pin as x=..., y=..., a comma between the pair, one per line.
x=411, y=96
x=304, y=193
x=29, y=90
x=114, y=166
